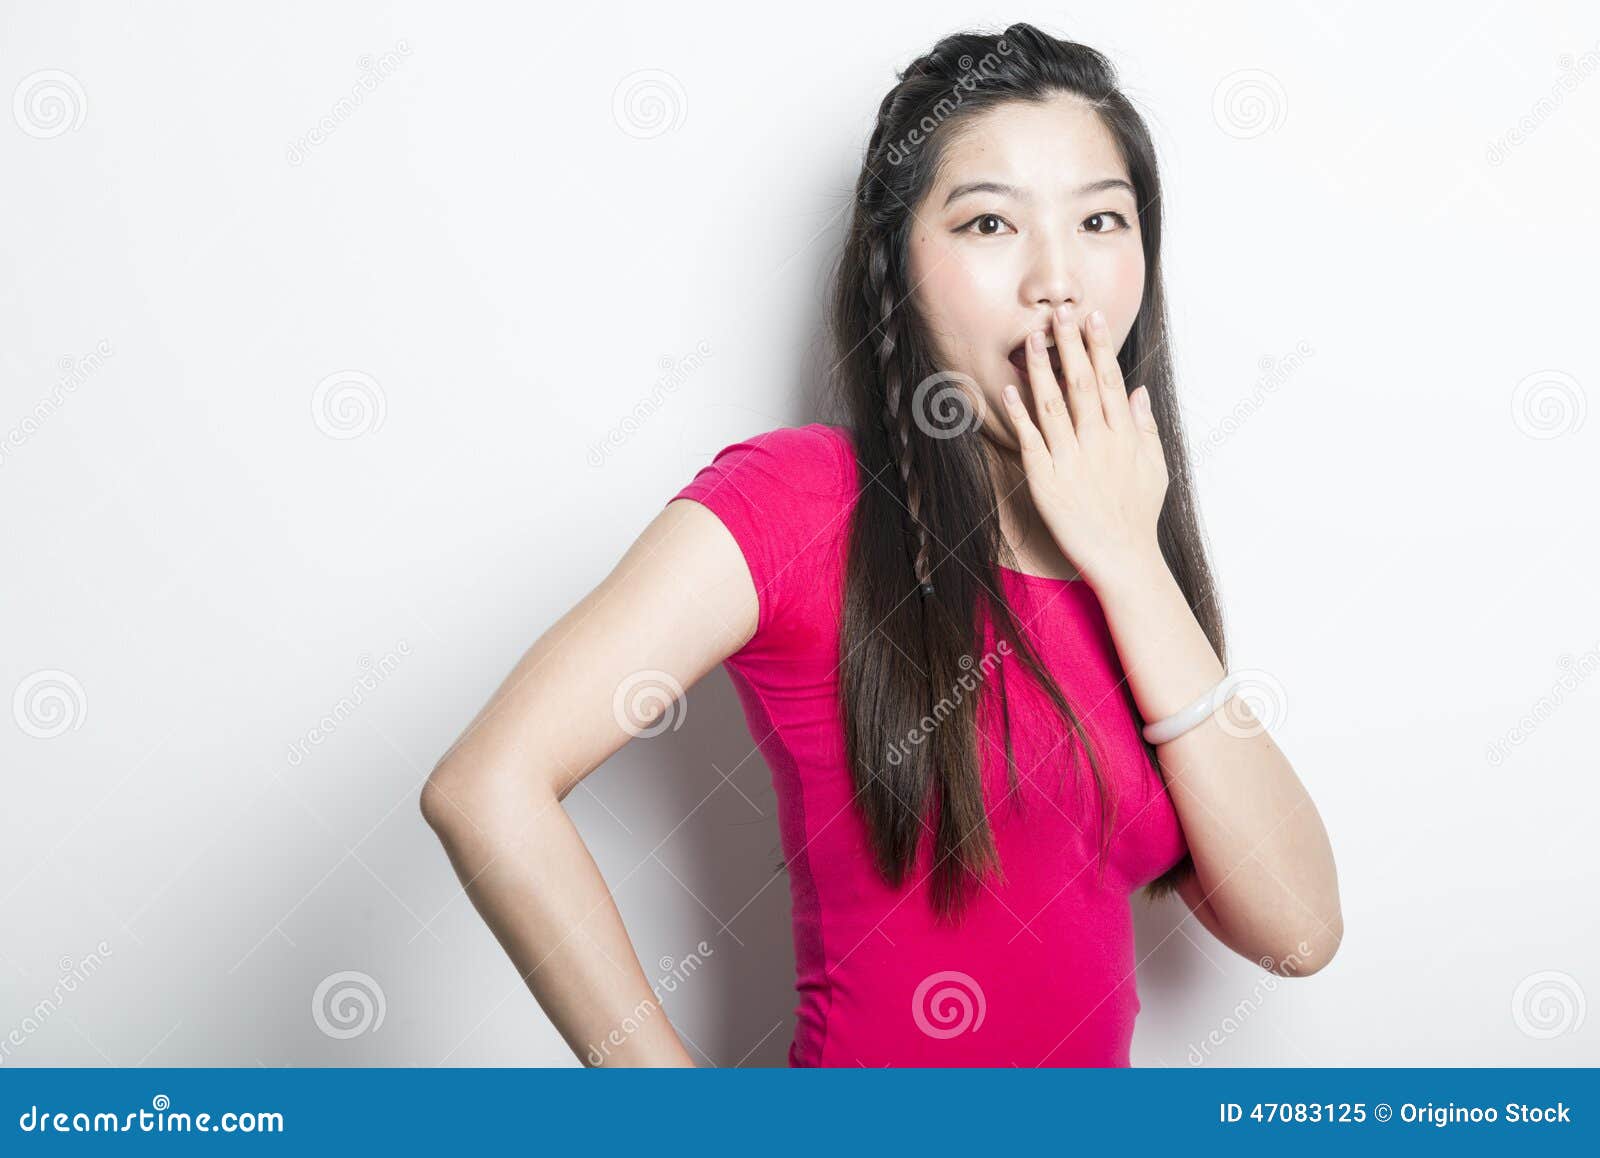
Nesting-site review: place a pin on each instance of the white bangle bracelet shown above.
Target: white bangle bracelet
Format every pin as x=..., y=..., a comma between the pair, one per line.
x=1196, y=713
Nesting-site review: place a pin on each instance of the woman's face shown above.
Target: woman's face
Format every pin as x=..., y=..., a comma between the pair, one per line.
x=1033, y=209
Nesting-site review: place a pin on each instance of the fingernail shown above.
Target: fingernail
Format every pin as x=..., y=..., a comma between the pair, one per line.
x=1036, y=339
x=1011, y=393
x=1061, y=313
x=1097, y=320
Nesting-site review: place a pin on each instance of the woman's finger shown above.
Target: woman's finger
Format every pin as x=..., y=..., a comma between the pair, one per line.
x=1047, y=401
x=1113, y=394
x=1035, y=454
x=1083, y=391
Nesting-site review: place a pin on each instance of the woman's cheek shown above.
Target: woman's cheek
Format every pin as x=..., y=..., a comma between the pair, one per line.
x=951, y=300
x=1127, y=292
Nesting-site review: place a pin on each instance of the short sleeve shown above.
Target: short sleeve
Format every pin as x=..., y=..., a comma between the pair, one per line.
x=785, y=497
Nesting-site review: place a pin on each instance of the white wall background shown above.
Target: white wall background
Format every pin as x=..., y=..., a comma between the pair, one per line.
x=1401, y=512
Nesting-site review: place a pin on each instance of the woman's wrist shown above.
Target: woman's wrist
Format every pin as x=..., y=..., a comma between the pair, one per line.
x=1167, y=657
x=1137, y=567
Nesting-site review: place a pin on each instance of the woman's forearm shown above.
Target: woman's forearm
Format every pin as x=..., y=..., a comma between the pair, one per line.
x=533, y=880
x=1259, y=845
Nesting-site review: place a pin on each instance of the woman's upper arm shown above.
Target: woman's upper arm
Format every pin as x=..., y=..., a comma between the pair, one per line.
x=679, y=602
x=1194, y=896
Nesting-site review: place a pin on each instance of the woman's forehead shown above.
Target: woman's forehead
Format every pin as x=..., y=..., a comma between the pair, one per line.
x=1046, y=149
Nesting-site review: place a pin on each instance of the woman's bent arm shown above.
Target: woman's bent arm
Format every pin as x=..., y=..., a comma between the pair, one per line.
x=677, y=604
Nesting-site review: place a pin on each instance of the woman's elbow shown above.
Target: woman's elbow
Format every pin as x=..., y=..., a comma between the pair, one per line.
x=459, y=800
x=439, y=806
x=469, y=801
x=1311, y=953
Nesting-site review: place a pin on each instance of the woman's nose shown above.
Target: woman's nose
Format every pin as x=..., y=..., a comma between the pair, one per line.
x=1051, y=279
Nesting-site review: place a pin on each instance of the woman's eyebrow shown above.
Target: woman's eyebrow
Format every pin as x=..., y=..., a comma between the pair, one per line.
x=1021, y=194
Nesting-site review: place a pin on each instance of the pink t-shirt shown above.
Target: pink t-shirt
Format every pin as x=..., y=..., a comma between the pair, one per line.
x=1041, y=971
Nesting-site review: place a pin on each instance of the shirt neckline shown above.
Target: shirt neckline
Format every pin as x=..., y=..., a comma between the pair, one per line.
x=1040, y=578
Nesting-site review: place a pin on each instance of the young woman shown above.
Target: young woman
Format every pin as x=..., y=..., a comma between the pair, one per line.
x=973, y=628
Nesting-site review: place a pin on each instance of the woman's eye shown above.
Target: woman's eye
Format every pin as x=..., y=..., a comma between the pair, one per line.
x=1122, y=222
x=983, y=220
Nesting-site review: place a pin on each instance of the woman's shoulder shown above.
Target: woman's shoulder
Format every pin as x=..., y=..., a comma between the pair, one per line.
x=817, y=458
x=785, y=495
x=794, y=475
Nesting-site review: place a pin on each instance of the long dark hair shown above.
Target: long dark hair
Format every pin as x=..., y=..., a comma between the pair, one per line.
x=925, y=543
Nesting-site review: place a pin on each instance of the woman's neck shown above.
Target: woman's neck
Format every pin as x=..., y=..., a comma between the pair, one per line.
x=1035, y=549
